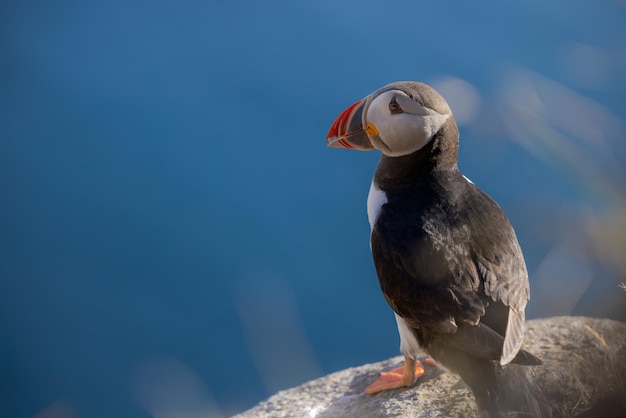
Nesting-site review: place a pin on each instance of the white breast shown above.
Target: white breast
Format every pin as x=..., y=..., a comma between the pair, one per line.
x=408, y=343
x=375, y=201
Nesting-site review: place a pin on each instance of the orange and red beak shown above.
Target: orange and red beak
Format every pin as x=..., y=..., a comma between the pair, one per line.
x=347, y=130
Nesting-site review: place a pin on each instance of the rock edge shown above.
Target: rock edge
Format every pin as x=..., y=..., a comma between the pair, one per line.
x=584, y=367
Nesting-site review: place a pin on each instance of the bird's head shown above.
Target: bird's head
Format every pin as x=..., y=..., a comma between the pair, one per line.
x=398, y=119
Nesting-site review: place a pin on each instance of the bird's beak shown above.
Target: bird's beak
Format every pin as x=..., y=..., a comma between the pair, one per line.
x=347, y=130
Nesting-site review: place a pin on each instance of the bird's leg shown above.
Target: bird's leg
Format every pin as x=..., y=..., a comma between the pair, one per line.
x=402, y=376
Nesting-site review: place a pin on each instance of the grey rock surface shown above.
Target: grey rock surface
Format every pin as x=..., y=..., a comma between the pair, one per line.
x=584, y=361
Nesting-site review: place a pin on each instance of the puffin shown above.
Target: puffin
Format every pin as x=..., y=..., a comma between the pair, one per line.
x=447, y=258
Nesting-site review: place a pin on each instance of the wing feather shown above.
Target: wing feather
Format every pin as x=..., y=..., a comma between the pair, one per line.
x=506, y=281
x=457, y=264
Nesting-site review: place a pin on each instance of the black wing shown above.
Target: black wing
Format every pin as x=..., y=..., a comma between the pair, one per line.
x=454, y=268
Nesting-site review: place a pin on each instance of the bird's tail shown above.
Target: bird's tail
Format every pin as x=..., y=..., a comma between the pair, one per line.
x=507, y=391
x=500, y=391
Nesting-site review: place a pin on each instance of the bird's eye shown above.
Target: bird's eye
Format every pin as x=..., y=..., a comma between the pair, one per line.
x=394, y=107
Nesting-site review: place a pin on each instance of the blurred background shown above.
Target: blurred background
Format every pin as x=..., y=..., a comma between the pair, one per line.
x=177, y=241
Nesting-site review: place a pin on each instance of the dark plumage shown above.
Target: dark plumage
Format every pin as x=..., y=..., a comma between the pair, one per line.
x=447, y=258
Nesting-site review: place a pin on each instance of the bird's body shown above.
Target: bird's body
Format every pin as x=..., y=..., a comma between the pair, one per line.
x=447, y=258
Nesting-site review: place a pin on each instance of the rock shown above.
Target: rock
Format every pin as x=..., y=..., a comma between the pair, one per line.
x=584, y=367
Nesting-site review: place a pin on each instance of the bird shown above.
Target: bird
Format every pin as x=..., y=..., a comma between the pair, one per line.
x=447, y=258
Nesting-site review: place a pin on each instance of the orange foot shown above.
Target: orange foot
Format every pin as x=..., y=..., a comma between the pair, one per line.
x=402, y=376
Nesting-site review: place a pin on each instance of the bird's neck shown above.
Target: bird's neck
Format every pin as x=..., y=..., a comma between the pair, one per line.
x=436, y=157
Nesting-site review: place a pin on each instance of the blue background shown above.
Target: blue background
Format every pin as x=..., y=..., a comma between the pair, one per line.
x=175, y=238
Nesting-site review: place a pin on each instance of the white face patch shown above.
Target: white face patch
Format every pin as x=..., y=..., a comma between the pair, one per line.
x=376, y=198
x=404, y=132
